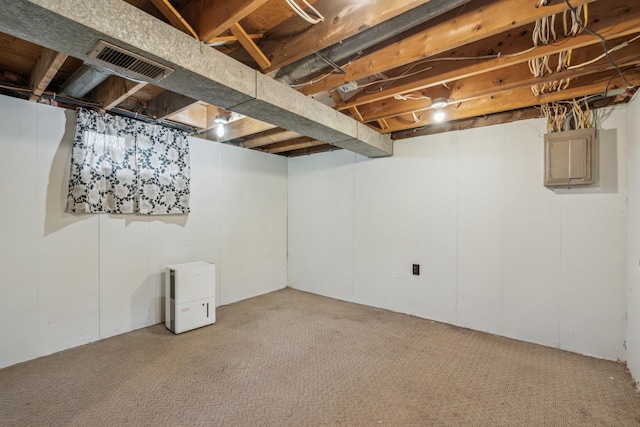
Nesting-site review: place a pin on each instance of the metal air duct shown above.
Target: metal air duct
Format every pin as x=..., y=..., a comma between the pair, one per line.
x=302, y=69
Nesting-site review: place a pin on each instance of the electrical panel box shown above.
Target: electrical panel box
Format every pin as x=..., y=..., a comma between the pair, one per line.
x=569, y=158
x=190, y=296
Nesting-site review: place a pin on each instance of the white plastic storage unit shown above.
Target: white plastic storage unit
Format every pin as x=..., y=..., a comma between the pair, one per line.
x=190, y=296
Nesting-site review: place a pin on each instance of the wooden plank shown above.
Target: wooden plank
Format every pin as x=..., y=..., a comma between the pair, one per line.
x=216, y=41
x=491, y=119
x=194, y=116
x=514, y=77
x=355, y=113
x=212, y=113
x=518, y=98
x=210, y=18
x=478, y=20
x=169, y=103
x=292, y=144
x=612, y=19
x=269, y=137
x=474, y=122
x=176, y=19
x=311, y=150
x=295, y=38
x=250, y=46
x=47, y=65
x=240, y=129
x=115, y=90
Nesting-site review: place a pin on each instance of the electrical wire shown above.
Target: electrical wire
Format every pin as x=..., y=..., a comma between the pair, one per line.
x=409, y=97
x=427, y=60
x=602, y=41
x=80, y=103
x=303, y=14
x=423, y=61
x=613, y=49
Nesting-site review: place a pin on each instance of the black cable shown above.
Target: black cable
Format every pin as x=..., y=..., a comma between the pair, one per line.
x=606, y=89
x=574, y=12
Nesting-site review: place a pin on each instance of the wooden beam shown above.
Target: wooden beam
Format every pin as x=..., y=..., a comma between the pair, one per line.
x=292, y=144
x=212, y=113
x=311, y=150
x=240, y=129
x=514, y=77
x=518, y=98
x=295, y=39
x=355, y=113
x=169, y=103
x=474, y=122
x=115, y=90
x=210, y=18
x=269, y=137
x=478, y=20
x=250, y=46
x=217, y=41
x=612, y=20
x=194, y=116
x=491, y=119
x=172, y=14
x=46, y=68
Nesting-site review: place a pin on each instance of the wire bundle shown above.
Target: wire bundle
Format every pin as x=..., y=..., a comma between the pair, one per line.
x=550, y=87
x=303, y=14
x=562, y=115
x=556, y=115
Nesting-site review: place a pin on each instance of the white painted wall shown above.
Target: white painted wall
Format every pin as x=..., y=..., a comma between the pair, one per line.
x=633, y=320
x=498, y=251
x=67, y=280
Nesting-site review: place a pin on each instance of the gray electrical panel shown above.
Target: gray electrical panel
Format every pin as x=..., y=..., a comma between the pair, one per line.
x=569, y=158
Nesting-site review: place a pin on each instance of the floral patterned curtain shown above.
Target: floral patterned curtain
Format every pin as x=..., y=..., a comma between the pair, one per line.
x=121, y=165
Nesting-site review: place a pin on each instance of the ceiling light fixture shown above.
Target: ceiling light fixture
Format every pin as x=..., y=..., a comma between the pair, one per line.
x=221, y=120
x=438, y=104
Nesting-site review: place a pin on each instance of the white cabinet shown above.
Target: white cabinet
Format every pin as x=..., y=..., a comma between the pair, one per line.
x=190, y=296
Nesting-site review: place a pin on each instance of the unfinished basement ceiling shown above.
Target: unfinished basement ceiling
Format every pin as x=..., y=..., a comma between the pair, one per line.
x=389, y=65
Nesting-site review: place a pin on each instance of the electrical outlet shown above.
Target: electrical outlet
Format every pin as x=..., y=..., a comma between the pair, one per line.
x=416, y=269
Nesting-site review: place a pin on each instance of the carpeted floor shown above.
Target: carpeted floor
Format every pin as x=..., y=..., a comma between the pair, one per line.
x=294, y=359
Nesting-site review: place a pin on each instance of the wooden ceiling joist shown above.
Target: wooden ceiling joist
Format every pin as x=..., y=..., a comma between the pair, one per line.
x=514, y=77
x=115, y=90
x=516, y=99
x=612, y=19
x=295, y=39
x=474, y=122
x=172, y=14
x=292, y=144
x=250, y=46
x=489, y=120
x=195, y=116
x=210, y=18
x=47, y=65
x=169, y=103
x=312, y=150
x=232, y=39
x=241, y=129
x=269, y=137
x=478, y=20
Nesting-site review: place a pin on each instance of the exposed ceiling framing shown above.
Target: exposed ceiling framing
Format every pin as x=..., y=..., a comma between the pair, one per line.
x=354, y=80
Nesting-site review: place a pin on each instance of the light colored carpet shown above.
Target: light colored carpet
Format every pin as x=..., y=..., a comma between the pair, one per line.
x=294, y=359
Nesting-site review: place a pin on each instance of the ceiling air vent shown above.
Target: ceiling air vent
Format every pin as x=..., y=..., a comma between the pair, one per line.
x=127, y=63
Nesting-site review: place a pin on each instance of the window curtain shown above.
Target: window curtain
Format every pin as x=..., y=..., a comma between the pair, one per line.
x=123, y=166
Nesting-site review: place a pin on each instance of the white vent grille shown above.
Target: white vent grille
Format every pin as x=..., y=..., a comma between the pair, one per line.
x=127, y=63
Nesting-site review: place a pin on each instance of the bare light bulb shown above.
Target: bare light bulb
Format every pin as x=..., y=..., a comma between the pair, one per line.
x=220, y=130
x=439, y=116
